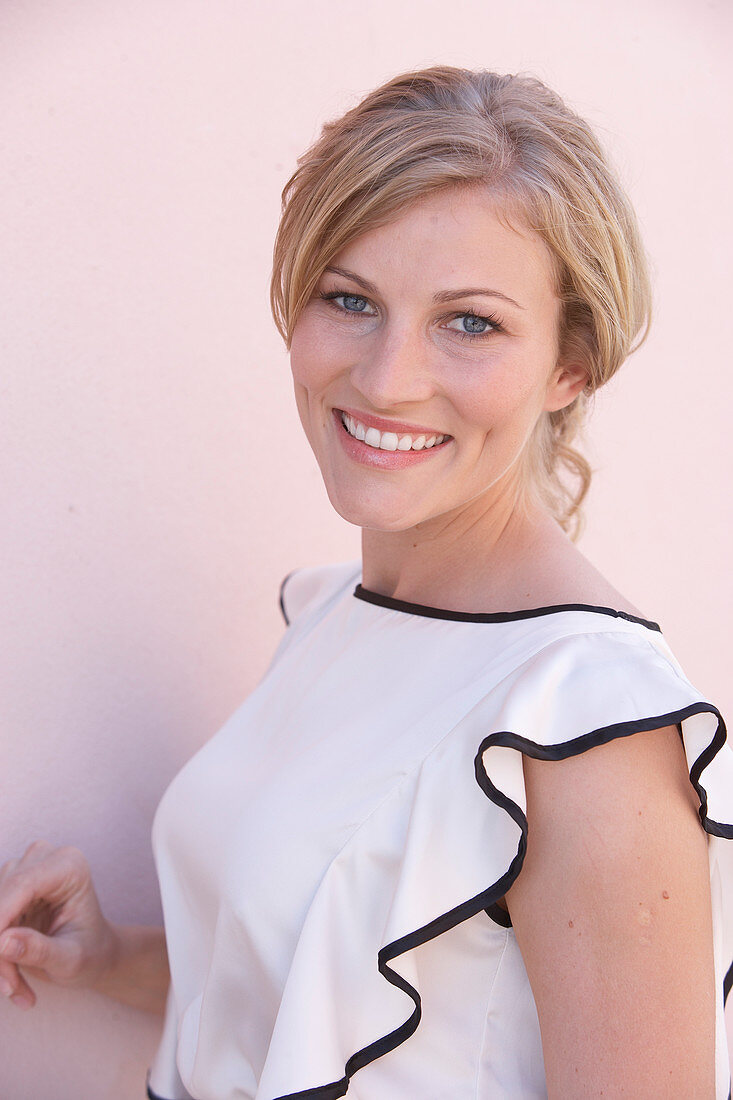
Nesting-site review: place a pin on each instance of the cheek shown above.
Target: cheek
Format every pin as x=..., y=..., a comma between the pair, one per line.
x=507, y=400
x=315, y=365
x=303, y=358
x=315, y=357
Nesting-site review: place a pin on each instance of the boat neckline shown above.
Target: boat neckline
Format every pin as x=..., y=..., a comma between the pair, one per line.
x=427, y=611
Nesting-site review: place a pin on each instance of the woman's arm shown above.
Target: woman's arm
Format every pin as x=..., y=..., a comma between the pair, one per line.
x=137, y=973
x=612, y=913
x=52, y=927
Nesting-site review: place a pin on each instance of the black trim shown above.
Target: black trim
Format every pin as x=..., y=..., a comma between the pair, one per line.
x=152, y=1095
x=499, y=915
x=488, y=898
x=149, y=1092
x=727, y=983
x=366, y=594
x=282, y=596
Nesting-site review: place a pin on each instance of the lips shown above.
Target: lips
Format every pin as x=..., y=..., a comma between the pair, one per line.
x=388, y=440
x=399, y=427
x=387, y=454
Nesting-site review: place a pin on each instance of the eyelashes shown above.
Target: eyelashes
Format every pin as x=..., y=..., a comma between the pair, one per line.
x=493, y=323
x=333, y=295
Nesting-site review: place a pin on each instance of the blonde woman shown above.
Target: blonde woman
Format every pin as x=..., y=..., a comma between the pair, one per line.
x=465, y=839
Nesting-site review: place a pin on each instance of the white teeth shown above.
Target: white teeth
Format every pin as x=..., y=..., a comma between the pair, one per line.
x=388, y=441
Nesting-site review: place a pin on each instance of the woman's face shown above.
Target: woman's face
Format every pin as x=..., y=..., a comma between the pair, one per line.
x=442, y=323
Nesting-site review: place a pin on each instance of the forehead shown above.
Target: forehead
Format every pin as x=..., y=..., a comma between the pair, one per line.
x=461, y=237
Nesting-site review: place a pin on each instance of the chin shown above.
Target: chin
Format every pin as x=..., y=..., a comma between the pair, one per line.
x=376, y=515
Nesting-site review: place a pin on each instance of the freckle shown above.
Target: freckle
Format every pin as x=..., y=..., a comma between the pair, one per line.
x=665, y=893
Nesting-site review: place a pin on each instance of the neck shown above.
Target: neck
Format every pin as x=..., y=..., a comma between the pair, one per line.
x=479, y=554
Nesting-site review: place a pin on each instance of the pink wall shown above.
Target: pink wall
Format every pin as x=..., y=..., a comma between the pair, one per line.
x=156, y=486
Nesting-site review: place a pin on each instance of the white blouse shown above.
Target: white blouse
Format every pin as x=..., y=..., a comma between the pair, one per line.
x=331, y=860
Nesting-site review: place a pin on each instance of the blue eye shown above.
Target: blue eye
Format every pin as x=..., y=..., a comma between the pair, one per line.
x=474, y=325
x=352, y=303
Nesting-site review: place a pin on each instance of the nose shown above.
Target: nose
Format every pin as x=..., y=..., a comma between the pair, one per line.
x=394, y=369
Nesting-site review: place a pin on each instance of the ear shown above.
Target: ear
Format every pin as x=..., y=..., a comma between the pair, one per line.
x=564, y=386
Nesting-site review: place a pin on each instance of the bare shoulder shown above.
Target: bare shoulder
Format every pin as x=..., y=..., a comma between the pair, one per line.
x=611, y=832
x=559, y=573
x=614, y=892
x=611, y=907
x=614, y=789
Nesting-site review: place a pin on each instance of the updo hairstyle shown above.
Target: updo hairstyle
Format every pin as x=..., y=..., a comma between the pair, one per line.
x=445, y=127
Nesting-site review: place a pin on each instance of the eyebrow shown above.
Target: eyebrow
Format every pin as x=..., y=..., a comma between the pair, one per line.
x=441, y=296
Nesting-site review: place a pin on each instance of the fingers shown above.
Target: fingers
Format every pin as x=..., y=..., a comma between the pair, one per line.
x=43, y=874
x=57, y=957
x=18, y=946
x=14, y=899
x=38, y=894
x=14, y=986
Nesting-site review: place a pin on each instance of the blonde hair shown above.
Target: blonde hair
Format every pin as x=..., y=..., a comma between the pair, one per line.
x=445, y=127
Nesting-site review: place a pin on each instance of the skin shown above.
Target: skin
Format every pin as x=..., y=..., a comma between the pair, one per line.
x=435, y=533
x=619, y=959
x=611, y=909
x=612, y=915
x=53, y=929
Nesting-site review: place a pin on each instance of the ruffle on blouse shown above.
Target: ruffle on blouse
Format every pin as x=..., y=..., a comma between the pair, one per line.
x=318, y=586
x=449, y=841
x=164, y=1082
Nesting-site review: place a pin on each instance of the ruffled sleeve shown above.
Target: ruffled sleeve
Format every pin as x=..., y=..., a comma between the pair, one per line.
x=450, y=839
x=164, y=1081
x=587, y=691
x=306, y=595
x=584, y=692
x=304, y=590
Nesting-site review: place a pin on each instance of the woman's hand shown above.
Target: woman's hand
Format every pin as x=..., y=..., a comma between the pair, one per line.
x=51, y=924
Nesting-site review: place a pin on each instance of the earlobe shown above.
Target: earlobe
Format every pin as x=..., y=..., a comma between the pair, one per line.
x=567, y=383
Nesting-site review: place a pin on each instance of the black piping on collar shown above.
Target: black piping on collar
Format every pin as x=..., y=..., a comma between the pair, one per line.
x=366, y=594
x=488, y=898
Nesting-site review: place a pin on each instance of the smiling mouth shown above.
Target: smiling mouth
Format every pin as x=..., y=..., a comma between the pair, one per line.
x=390, y=441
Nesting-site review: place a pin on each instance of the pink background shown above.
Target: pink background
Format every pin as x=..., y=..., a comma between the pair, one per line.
x=156, y=486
